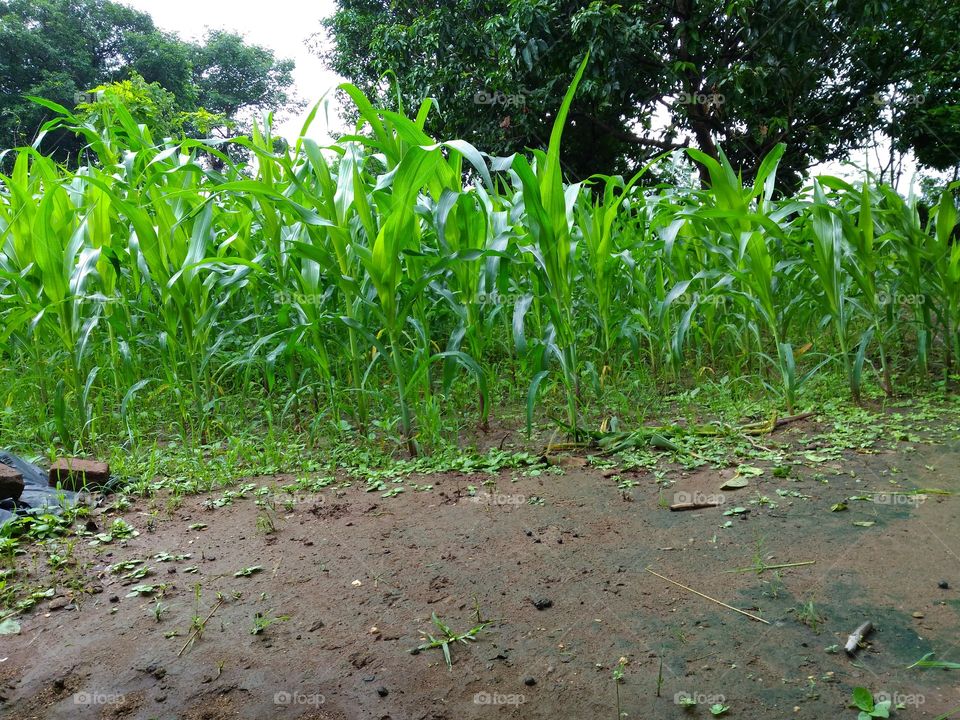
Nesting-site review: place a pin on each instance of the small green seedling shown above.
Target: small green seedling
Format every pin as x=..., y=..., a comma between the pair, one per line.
x=660, y=674
x=447, y=638
x=617, y=679
x=167, y=557
x=863, y=699
x=807, y=614
x=123, y=566
x=248, y=571
x=138, y=573
x=718, y=709
x=926, y=662
x=261, y=621
x=143, y=590
x=198, y=624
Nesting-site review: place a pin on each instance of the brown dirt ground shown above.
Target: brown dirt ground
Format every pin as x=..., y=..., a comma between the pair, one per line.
x=359, y=577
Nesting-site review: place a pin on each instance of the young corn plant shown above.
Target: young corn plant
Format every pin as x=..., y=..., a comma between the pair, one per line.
x=547, y=218
x=867, y=274
x=945, y=267
x=825, y=256
x=390, y=250
x=597, y=223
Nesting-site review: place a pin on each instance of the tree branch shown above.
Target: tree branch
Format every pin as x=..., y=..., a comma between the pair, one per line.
x=627, y=136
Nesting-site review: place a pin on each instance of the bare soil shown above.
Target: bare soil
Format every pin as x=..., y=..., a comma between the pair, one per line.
x=562, y=583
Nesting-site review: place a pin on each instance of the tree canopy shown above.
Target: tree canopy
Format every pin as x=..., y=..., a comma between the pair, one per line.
x=63, y=50
x=742, y=75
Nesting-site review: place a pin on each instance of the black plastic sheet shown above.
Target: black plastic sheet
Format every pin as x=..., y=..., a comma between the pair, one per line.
x=37, y=495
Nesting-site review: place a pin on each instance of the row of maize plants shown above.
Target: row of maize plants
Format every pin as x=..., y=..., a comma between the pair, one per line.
x=391, y=279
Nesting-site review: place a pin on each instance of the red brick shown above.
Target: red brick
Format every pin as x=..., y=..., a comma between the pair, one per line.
x=11, y=482
x=75, y=474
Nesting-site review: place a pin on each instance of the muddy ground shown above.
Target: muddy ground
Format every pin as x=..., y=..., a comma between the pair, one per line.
x=555, y=563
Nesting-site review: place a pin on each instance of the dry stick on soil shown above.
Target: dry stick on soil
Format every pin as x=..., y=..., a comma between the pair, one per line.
x=199, y=629
x=774, y=423
x=693, y=506
x=761, y=568
x=39, y=632
x=853, y=642
x=707, y=597
x=792, y=418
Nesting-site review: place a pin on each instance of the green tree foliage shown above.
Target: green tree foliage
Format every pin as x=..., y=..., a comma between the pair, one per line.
x=925, y=115
x=746, y=74
x=149, y=104
x=232, y=76
x=67, y=50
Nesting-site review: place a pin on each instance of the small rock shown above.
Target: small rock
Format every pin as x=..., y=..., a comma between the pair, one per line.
x=542, y=603
x=114, y=598
x=943, y=585
x=382, y=691
x=58, y=603
x=11, y=483
x=316, y=626
x=918, y=615
x=158, y=671
x=529, y=681
x=76, y=474
x=160, y=698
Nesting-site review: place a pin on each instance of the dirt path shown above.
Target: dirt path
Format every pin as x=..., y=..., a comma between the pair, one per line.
x=556, y=564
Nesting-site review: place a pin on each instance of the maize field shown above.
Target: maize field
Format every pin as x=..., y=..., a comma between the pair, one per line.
x=396, y=281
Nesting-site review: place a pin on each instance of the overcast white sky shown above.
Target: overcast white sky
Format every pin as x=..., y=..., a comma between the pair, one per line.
x=281, y=25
